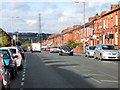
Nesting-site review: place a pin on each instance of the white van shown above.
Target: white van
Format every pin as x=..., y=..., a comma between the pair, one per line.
x=36, y=47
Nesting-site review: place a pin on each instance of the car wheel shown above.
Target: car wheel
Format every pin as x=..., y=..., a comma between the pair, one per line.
x=21, y=67
x=6, y=80
x=95, y=56
x=101, y=57
x=16, y=71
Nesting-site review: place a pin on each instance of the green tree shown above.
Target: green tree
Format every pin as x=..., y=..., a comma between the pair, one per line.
x=4, y=41
x=18, y=42
x=81, y=44
x=70, y=42
x=26, y=45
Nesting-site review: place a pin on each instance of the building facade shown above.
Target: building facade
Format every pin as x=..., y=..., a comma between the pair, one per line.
x=101, y=29
x=5, y=39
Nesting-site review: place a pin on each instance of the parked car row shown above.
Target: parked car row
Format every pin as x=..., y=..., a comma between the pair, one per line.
x=11, y=60
x=62, y=50
x=103, y=51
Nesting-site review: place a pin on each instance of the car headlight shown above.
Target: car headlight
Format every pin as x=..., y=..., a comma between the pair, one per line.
x=63, y=50
x=71, y=50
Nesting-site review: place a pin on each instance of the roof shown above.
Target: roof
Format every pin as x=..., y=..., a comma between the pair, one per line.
x=108, y=13
x=54, y=36
x=5, y=32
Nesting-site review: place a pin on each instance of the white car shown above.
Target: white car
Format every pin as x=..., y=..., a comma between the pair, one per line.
x=54, y=49
x=106, y=51
x=19, y=59
x=90, y=51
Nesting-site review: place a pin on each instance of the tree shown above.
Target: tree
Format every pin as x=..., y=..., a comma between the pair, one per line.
x=18, y=42
x=70, y=42
x=4, y=41
x=26, y=45
x=81, y=44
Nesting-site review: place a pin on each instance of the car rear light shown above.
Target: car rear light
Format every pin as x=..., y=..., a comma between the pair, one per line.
x=1, y=76
x=10, y=62
x=21, y=51
x=18, y=57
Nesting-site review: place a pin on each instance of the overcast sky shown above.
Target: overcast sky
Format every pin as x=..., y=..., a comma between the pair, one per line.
x=22, y=15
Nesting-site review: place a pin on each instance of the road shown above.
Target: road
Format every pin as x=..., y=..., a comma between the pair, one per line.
x=49, y=70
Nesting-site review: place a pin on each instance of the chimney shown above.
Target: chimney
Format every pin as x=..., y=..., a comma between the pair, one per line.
x=91, y=19
x=104, y=12
x=114, y=7
x=76, y=26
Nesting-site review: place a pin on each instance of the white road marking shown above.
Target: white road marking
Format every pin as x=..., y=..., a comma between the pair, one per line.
x=21, y=88
x=93, y=75
x=108, y=75
x=24, y=72
x=96, y=80
x=22, y=83
x=23, y=79
x=23, y=75
x=109, y=81
x=84, y=70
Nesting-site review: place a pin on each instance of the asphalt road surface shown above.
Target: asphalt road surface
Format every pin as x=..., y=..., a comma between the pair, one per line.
x=49, y=70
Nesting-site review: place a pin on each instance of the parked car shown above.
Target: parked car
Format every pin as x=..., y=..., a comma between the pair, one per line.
x=4, y=76
x=66, y=50
x=54, y=49
x=47, y=49
x=106, y=51
x=18, y=58
x=90, y=51
x=10, y=62
x=24, y=48
x=21, y=52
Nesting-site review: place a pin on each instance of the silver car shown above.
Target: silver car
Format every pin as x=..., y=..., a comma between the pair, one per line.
x=106, y=51
x=54, y=50
x=90, y=51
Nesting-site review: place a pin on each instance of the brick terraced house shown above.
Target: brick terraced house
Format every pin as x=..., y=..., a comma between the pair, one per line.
x=101, y=29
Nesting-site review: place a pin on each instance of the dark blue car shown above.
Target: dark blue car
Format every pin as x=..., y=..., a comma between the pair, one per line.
x=9, y=61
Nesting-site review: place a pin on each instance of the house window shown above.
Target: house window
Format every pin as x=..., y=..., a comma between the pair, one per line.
x=111, y=21
x=116, y=19
x=116, y=38
x=104, y=23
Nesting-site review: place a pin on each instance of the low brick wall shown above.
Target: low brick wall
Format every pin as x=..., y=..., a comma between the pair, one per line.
x=78, y=49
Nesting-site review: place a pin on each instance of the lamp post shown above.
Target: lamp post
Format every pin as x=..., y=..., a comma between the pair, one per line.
x=13, y=29
x=84, y=17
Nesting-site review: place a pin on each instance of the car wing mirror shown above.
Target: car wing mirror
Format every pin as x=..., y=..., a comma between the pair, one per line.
x=16, y=56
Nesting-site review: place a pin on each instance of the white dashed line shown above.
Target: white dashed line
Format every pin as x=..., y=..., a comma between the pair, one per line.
x=23, y=75
x=23, y=79
x=24, y=72
x=21, y=88
x=22, y=83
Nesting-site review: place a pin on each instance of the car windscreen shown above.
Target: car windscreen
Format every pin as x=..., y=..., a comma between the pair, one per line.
x=92, y=48
x=20, y=49
x=66, y=47
x=108, y=47
x=13, y=51
x=6, y=54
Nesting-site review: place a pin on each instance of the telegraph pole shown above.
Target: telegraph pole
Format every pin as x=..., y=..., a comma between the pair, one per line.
x=39, y=30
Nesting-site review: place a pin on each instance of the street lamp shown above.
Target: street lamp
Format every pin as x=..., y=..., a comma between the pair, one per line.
x=77, y=2
x=13, y=28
